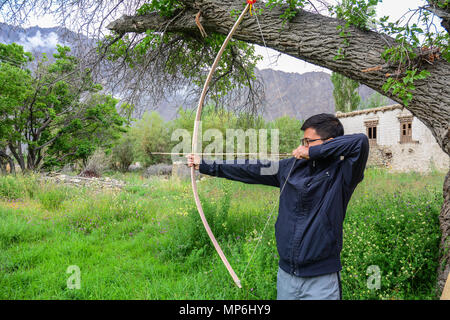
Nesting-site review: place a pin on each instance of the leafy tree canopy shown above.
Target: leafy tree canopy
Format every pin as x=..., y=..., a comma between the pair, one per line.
x=55, y=113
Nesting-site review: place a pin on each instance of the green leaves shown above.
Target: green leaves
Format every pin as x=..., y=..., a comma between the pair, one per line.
x=411, y=37
x=404, y=87
x=165, y=8
x=150, y=134
x=396, y=231
x=14, y=55
x=359, y=13
x=291, y=7
x=15, y=87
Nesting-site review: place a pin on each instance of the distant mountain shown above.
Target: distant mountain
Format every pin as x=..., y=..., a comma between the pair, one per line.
x=297, y=95
x=292, y=94
x=301, y=95
x=39, y=40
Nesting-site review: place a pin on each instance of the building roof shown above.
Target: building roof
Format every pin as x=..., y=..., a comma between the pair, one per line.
x=367, y=111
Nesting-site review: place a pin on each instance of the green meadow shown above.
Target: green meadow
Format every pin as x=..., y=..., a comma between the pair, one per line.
x=148, y=242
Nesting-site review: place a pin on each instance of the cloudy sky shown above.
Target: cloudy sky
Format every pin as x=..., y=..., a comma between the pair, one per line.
x=392, y=8
x=39, y=41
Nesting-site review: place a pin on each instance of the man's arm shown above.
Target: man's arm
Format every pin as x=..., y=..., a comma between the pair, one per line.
x=354, y=148
x=252, y=173
x=247, y=173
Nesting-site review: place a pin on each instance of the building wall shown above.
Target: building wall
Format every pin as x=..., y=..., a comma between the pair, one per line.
x=423, y=155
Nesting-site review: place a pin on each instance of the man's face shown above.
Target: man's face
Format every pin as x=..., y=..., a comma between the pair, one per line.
x=310, y=139
x=311, y=134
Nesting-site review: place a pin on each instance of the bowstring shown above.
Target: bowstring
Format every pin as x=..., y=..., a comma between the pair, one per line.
x=290, y=171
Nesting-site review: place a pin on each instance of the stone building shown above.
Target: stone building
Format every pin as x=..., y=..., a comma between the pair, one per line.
x=398, y=140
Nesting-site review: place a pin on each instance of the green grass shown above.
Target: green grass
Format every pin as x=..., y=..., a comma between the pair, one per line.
x=149, y=243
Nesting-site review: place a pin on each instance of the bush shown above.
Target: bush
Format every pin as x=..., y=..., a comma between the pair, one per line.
x=289, y=131
x=150, y=135
x=399, y=235
x=96, y=164
x=157, y=234
x=123, y=153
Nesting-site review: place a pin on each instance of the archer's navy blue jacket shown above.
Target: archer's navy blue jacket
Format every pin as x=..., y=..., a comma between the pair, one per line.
x=313, y=203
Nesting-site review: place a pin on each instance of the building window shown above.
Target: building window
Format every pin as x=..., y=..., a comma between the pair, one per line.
x=371, y=131
x=406, y=130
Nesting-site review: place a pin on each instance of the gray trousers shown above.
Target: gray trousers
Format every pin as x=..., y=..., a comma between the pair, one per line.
x=323, y=287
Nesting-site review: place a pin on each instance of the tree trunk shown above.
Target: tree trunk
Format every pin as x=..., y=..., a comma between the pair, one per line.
x=18, y=155
x=444, y=220
x=31, y=159
x=315, y=38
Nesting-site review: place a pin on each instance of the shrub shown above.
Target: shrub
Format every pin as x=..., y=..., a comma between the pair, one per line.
x=123, y=153
x=399, y=234
x=150, y=135
x=96, y=164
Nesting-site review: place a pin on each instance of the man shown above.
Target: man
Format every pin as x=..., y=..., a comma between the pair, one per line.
x=318, y=184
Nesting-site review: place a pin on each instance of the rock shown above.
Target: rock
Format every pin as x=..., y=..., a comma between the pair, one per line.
x=104, y=183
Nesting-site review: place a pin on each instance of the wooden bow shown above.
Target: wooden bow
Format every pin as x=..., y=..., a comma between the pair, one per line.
x=194, y=148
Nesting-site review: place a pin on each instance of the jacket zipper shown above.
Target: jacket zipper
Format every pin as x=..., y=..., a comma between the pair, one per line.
x=327, y=175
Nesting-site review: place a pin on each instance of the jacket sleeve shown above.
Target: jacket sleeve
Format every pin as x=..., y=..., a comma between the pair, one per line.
x=253, y=173
x=354, y=148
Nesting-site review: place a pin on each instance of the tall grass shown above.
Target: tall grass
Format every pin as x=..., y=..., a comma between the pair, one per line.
x=147, y=242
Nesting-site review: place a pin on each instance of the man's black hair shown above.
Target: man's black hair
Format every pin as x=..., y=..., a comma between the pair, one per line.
x=325, y=124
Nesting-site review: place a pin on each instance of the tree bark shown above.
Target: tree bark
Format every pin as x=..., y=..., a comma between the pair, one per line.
x=444, y=221
x=18, y=155
x=315, y=38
